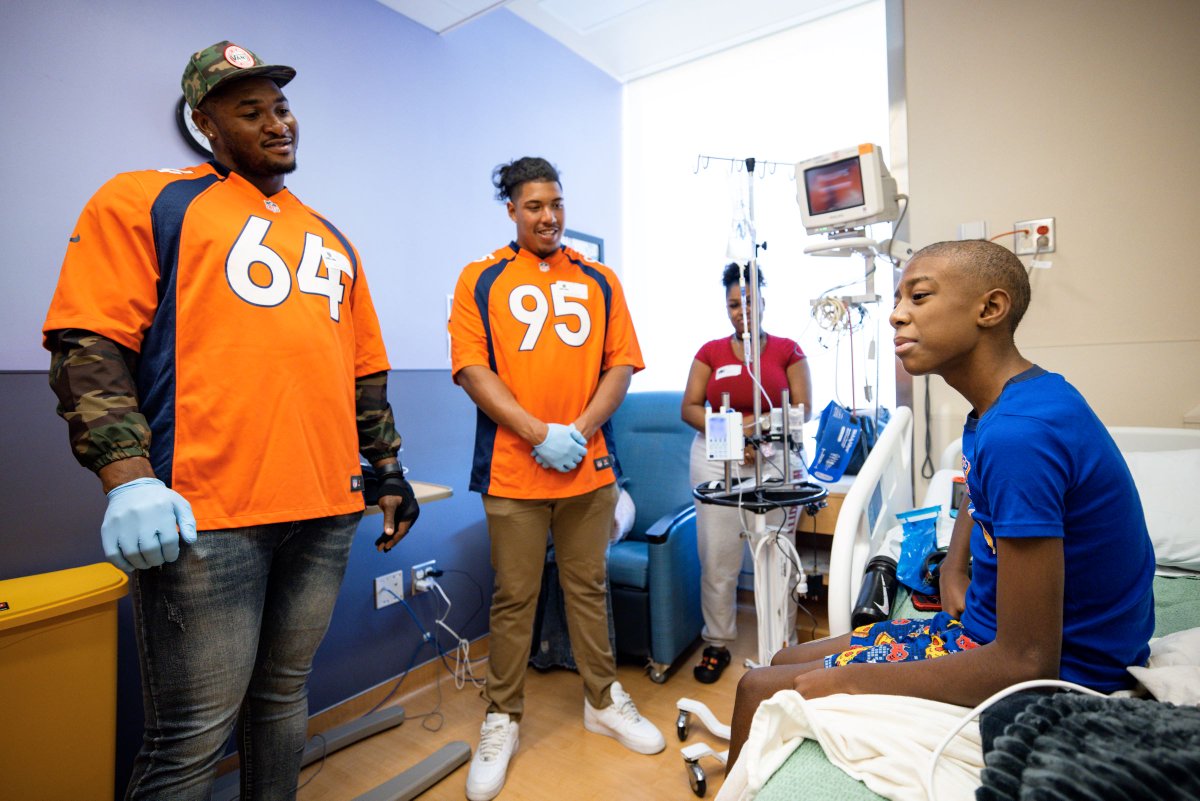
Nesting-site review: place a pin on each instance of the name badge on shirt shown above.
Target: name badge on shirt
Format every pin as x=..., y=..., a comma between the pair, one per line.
x=728, y=371
x=572, y=289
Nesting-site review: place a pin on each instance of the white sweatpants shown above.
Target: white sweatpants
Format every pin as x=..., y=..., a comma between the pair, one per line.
x=719, y=540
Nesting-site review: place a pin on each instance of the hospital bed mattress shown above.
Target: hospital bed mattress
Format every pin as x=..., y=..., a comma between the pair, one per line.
x=808, y=776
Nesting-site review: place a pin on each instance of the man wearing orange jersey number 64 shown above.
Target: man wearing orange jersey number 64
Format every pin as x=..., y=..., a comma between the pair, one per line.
x=219, y=363
x=542, y=342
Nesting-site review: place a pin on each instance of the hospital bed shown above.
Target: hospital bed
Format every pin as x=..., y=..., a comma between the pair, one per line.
x=1164, y=462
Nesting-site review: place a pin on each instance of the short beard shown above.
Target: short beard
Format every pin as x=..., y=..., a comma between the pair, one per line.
x=266, y=169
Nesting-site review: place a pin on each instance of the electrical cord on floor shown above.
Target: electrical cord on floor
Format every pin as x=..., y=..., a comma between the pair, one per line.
x=462, y=671
x=320, y=763
x=462, y=655
x=425, y=638
x=433, y=720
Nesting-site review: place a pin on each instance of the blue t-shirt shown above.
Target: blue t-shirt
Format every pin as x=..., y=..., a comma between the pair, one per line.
x=1039, y=463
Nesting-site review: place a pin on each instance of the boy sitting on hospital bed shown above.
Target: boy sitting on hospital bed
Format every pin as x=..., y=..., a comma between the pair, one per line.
x=1061, y=563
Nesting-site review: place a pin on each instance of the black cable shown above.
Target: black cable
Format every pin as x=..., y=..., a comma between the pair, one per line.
x=427, y=637
x=757, y=445
x=927, y=469
x=320, y=764
x=478, y=590
x=399, y=680
x=812, y=633
x=794, y=591
x=435, y=713
x=814, y=542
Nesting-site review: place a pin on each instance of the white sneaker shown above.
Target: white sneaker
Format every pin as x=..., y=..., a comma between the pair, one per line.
x=489, y=766
x=622, y=722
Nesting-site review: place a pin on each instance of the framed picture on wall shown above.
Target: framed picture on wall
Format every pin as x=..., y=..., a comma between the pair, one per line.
x=592, y=247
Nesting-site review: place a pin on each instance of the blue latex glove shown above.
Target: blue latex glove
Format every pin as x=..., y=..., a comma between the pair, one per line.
x=143, y=524
x=563, y=449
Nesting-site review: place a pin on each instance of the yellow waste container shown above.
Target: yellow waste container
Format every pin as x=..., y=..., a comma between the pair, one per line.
x=58, y=683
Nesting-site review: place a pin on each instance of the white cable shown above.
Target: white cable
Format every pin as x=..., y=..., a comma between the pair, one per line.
x=762, y=390
x=746, y=337
x=462, y=653
x=791, y=567
x=974, y=713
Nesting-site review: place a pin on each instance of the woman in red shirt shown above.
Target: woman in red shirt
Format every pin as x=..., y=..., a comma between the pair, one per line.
x=722, y=366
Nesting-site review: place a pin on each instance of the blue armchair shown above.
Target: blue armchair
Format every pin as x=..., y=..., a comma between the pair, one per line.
x=654, y=573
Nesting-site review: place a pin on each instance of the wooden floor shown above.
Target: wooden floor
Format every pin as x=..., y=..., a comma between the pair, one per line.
x=557, y=758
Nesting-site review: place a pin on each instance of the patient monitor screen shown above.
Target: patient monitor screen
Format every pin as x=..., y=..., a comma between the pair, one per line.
x=834, y=187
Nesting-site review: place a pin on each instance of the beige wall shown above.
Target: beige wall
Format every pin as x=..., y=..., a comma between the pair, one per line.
x=1087, y=111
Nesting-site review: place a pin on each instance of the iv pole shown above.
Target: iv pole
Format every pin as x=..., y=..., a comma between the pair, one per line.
x=771, y=591
x=768, y=637
x=769, y=494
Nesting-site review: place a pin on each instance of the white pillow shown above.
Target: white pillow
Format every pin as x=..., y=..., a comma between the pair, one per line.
x=1173, y=670
x=1168, y=482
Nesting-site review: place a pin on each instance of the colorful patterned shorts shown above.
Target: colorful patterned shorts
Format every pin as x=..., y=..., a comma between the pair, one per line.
x=904, y=640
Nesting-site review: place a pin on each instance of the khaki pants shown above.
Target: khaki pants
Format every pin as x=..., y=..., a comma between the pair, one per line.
x=580, y=527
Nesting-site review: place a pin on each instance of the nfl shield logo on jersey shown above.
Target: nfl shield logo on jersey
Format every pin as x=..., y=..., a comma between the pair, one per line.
x=271, y=205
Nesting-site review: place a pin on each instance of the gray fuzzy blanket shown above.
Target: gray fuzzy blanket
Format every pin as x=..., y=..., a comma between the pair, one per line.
x=1070, y=746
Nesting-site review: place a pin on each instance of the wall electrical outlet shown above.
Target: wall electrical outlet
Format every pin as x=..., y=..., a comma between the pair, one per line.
x=420, y=574
x=386, y=585
x=1026, y=244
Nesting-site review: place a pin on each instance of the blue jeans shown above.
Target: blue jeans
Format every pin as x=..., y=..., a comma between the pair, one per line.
x=226, y=634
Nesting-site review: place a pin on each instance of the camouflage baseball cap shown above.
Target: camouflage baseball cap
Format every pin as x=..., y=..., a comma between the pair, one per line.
x=226, y=61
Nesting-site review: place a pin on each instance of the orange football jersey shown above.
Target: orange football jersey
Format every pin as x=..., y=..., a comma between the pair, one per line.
x=548, y=328
x=251, y=317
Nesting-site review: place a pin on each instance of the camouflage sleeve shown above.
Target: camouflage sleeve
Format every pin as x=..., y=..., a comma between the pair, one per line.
x=93, y=379
x=377, y=437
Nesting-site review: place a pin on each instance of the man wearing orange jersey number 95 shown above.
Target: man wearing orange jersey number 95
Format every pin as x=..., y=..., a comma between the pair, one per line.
x=542, y=342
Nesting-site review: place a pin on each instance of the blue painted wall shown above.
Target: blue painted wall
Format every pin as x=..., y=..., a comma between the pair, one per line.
x=400, y=130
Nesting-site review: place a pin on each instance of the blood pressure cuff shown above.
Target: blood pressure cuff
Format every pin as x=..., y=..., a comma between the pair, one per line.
x=844, y=439
x=837, y=434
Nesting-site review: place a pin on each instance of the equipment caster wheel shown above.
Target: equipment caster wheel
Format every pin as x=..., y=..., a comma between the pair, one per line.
x=696, y=779
x=681, y=724
x=658, y=676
